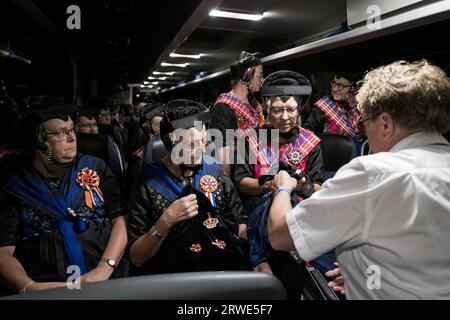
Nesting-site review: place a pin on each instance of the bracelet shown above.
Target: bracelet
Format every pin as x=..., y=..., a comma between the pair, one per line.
x=156, y=233
x=282, y=188
x=24, y=289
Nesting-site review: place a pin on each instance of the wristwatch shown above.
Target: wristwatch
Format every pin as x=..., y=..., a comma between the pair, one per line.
x=110, y=262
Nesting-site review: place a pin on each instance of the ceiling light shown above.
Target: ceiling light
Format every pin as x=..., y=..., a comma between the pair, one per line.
x=142, y=86
x=164, y=73
x=150, y=86
x=235, y=15
x=180, y=65
x=157, y=78
x=146, y=82
x=190, y=56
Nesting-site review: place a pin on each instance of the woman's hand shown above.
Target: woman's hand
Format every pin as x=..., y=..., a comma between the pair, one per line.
x=268, y=186
x=182, y=209
x=263, y=267
x=100, y=273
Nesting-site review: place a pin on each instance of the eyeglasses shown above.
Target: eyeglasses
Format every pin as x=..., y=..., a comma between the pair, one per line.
x=339, y=86
x=363, y=119
x=279, y=111
x=63, y=133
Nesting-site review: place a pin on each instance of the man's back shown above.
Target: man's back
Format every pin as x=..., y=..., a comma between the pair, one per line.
x=405, y=230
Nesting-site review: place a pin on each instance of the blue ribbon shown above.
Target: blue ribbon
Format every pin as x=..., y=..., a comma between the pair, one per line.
x=26, y=185
x=159, y=178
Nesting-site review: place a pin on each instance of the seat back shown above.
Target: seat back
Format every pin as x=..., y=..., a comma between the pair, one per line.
x=316, y=286
x=154, y=151
x=222, y=285
x=103, y=147
x=337, y=150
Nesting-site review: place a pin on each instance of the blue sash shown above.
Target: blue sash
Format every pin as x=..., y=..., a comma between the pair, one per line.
x=27, y=186
x=159, y=178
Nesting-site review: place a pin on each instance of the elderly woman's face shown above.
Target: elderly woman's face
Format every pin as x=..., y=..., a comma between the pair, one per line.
x=61, y=139
x=340, y=88
x=192, y=147
x=283, y=115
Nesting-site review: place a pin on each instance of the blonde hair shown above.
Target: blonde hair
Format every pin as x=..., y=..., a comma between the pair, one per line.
x=416, y=95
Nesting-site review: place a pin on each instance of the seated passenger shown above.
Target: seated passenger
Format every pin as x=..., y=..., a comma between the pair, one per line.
x=185, y=217
x=285, y=93
x=87, y=122
x=387, y=214
x=337, y=113
x=61, y=210
x=103, y=108
x=151, y=118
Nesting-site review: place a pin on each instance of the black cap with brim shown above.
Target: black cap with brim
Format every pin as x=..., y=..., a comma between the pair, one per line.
x=286, y=83
x=190, y=121
x=60, y=111
x=151, y=111
x=203, y=115
x=286, y=91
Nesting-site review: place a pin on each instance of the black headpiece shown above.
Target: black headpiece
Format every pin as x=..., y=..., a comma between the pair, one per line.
x=181, y=114
x=286, y=83
x=152, y=110
x=241, y=69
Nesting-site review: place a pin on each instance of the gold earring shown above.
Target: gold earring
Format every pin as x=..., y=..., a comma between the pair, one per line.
x=49, y=153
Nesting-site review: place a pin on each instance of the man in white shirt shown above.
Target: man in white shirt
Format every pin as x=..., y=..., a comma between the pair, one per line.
x=387, y=214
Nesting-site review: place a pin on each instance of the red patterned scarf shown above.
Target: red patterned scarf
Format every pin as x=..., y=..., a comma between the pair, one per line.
x=296, y=153
x=247, y=119
x=336, y=115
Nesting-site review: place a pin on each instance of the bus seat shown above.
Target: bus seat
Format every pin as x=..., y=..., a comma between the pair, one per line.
x=154, y=150
x=103, y=147
x=222, y=285
x=337, y=150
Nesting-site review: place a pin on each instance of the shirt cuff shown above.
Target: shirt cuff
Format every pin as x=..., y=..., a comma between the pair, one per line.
x=297, y=236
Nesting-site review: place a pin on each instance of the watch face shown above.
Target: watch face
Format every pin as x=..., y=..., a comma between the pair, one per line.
x=111, y=262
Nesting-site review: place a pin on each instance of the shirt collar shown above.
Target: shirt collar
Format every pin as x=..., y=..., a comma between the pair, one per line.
x=419, y=139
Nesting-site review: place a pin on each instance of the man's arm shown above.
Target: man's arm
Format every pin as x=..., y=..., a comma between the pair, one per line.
x=329, y=218
x=278, y=230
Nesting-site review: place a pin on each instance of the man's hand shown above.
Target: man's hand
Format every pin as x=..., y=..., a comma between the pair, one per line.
x=182, y=209
x=338, y=283
x=284, y=179
x=100, y=273
x=263, y=267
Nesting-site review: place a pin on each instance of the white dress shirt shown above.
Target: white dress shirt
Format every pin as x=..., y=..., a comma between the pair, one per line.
x=387, y=212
